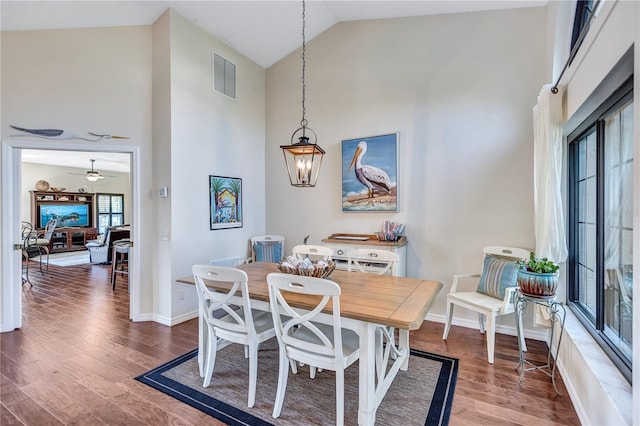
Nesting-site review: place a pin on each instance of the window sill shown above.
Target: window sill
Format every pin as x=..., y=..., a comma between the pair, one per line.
x=600, y=393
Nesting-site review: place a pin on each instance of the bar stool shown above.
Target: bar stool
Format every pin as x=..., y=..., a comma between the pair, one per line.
x=120, y=257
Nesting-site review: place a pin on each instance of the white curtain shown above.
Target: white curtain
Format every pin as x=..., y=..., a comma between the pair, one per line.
x=547, y=176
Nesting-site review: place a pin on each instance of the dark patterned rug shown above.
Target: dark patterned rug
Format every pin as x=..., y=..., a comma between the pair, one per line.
x=420, y=396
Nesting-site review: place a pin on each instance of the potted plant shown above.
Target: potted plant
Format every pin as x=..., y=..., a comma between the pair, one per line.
x=538, y=277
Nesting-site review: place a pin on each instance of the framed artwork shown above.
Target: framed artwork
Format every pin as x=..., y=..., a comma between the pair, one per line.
x=370, y=174
x=225, y=202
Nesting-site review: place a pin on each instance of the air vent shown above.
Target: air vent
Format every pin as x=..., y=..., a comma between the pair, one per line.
x=224, y=76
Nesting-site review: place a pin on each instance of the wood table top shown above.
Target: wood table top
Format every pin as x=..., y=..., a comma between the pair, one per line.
x=383, y=299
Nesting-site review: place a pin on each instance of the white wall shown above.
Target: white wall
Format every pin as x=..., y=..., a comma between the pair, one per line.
x=152, y=84
x=84, y=80
x=460, y=90
x=210, y=135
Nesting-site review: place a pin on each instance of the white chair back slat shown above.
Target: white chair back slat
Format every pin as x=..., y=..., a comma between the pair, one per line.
x=312, y=252
x=373, y=261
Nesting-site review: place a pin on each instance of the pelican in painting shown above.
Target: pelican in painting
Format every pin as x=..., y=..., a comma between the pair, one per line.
x=370, y=176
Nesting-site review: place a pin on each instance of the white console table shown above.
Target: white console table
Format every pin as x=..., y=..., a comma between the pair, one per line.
x=343, y=243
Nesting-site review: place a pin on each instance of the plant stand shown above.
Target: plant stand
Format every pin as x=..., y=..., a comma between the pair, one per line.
x=557, y=314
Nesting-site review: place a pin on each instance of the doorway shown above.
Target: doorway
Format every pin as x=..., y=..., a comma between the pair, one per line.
x=12, y=193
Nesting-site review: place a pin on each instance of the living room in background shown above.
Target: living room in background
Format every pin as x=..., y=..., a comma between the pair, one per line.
x=600, y=200
x=110, y=210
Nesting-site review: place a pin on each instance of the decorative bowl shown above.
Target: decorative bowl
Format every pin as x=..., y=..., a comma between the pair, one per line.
x=318, y=271
x=57, y=189
x=42, y=185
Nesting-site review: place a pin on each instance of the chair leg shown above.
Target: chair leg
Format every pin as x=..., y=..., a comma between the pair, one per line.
x=283, y=373
x=210, y=360
x=491, y=336
x=47, y=250
x=253, y=373
x=339, y=396
x=447, y=323
x=26, y=279
x=40, y=248
x=481, y=322
x=114, y=265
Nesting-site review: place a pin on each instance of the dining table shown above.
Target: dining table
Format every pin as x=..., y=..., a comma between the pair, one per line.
x=368, y=303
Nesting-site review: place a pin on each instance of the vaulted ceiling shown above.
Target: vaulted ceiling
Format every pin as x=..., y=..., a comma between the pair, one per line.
x=264, y=31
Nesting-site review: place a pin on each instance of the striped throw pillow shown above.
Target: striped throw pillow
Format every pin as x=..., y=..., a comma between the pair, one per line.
x=497, y=275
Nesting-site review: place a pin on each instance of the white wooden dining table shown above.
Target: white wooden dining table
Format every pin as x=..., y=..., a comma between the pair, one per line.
x=367, y=301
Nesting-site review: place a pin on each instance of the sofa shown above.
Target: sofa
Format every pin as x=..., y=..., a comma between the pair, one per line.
x=100, y=250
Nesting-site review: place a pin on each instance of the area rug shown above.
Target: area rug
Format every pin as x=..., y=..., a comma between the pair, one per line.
x=420, y=396
x=70, y=258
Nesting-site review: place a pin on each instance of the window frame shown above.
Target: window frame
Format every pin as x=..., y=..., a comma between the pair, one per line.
x=594, y=324
x=110, y=213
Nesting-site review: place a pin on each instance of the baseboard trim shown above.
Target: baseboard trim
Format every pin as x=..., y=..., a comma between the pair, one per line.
x=541, y=334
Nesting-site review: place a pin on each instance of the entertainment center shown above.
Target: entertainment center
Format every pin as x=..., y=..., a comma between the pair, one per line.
x=75, y=214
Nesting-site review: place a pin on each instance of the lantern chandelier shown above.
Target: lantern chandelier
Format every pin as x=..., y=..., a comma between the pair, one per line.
x=304, y=157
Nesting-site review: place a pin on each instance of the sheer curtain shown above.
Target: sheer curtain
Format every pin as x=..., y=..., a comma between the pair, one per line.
x=547, y=175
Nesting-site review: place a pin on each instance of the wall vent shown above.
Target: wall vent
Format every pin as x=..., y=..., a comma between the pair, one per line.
x=224, y=76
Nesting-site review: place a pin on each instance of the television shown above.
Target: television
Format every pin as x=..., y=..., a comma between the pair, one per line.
x=68, y=215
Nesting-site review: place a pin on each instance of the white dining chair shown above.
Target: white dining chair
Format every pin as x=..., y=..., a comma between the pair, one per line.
x=266, y=248
x=372, y=261
x=301, y=339
x=43, y=240
x=312, y=252
x=227, y=321
x=493, y=295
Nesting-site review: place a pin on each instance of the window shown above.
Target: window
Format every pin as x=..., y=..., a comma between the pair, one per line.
x=224, y=76
x=584, y=8
x=110, y=211
x=600, y=214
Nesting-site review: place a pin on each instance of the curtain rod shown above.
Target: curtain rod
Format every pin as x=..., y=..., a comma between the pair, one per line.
x=573, y=52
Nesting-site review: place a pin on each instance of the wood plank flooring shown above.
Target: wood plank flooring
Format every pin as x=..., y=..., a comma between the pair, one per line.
x=74, y=359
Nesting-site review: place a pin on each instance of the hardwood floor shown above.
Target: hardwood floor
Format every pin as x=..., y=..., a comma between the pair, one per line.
x=74, y=360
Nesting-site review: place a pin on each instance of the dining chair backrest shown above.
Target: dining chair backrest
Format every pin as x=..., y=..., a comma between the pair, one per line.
x=49, y=228
x=312, y=252
x=305, y=337
x=26, y=232
x=316, y=346
x=373, y=261
x=267, y=248
x=211, y=301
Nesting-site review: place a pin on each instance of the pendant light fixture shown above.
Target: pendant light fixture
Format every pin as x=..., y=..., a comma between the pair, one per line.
x=93, y=175
x=304, y=157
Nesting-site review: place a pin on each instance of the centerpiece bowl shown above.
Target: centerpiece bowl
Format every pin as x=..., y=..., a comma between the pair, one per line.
x=307, y=268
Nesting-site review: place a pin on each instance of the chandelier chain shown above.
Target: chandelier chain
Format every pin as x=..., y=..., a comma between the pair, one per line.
x=303, y=122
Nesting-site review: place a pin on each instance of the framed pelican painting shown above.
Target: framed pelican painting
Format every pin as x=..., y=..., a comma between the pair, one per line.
x=370, y=174
x=225, y=202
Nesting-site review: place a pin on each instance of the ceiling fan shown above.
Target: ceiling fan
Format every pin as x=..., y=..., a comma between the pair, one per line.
x=92, y=175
